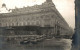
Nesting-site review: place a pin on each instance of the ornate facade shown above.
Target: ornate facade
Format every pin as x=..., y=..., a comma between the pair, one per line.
x=45, y=15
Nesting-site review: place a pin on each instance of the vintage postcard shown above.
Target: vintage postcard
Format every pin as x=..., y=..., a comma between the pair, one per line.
x=37, y=24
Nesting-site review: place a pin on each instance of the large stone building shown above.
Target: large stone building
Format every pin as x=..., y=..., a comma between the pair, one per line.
x=45, y=15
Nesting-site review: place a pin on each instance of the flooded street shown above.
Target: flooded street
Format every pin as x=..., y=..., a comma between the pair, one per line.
x=36, y=25
x=48, y=44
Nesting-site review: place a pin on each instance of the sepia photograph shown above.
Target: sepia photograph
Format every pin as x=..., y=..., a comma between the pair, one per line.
x=37, y=24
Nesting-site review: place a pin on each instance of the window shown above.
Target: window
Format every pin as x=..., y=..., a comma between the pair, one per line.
x=47, y=25
x=0, y=24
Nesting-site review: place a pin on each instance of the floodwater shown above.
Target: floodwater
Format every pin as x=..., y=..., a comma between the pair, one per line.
x=48, y=44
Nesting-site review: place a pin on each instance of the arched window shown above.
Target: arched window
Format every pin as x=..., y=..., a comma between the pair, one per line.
x=16, y=23
x=38, y=22
x=28, y=23
x=22, y=23
x=0, y=24
x=12, y=24
x=6, y=24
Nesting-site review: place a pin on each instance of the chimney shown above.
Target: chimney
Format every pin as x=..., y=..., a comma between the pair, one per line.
x=48, y=0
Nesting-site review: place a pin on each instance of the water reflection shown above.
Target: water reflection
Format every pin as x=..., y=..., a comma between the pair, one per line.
x=49, y=44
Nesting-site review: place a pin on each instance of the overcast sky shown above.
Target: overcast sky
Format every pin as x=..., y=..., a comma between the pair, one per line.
x=65, y=7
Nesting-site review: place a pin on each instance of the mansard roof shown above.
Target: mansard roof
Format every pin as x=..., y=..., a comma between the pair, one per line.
x=30, y=9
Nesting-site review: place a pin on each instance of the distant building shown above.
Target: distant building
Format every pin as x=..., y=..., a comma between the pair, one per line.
x=45, y=15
